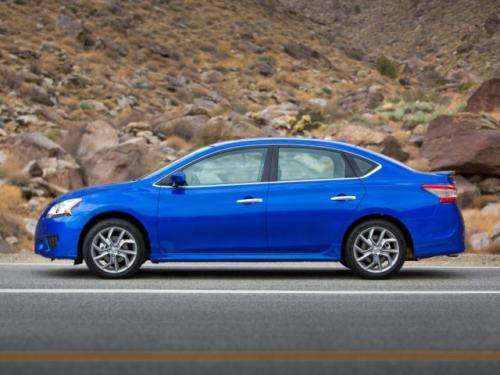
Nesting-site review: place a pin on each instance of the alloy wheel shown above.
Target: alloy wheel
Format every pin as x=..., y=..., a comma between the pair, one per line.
x=114, y=249
x=376, y=249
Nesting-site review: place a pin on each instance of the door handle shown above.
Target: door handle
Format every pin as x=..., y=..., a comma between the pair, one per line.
x=249, y=200
x=343, y=198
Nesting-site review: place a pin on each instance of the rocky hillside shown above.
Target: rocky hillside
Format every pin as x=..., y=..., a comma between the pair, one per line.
x=443, y=39
x=99, y=91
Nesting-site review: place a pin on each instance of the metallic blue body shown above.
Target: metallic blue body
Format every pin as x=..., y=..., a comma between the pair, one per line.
x=297, y=220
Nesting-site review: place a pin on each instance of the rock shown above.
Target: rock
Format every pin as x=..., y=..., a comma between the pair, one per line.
x=360, y=100
x=30, y=225
x=492, y=25
x=12, y=240
x=466, y=191
x=491, y=209
x=63, y=173
x=58, y=167
x=486, y=98
x=33, y=169
x=212, y=76
x=173, y=83
x=37, y=94
x=27, y=119
x=276, y=116
x=360, y=135
x=97, y=135
x=70, y=26
x=252, y=47
x=479, y=241
x=40, y=187
x=465, y=142
x=490, y=185
x=392, y=148
x=5, y=246
x=264, y=68
x=184, y=126
x=125, y=161
x=135, y=127
x=159, y=49
x=495, y=234
x=302, y=52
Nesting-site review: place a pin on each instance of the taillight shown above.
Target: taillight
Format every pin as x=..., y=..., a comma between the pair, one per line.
x=445, y=193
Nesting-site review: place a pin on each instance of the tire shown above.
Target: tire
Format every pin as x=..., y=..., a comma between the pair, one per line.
x=124, y=249
x=344, y=263
x=364, y=247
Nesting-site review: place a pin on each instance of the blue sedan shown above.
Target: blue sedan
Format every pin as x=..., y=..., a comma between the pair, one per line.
x=260, y=200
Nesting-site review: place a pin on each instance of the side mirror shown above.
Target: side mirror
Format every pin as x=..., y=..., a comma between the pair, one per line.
x=178, y=179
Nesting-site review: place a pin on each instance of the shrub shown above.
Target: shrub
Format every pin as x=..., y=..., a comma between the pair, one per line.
x=387, y=67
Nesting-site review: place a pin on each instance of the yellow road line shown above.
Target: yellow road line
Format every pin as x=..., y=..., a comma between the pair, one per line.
x=139, y=356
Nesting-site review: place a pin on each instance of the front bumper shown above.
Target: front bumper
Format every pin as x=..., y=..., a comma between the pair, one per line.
x=57, y=238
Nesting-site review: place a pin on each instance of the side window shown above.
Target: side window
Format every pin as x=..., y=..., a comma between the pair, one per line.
x=363, y=166
x=296, y=163
x=231, y=167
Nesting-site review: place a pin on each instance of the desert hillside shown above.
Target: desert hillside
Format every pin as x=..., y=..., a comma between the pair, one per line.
x=99, y=91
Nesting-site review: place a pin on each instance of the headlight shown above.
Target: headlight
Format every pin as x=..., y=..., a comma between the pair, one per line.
x=63, y=208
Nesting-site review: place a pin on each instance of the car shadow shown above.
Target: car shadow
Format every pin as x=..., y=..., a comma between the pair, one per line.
x=254, y=272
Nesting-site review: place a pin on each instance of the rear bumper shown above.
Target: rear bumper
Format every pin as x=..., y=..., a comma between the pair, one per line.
x=57, y=238
x=442, y=233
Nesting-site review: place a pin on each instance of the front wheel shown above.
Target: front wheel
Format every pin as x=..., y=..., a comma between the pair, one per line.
x=114, y=249
x=375, y=249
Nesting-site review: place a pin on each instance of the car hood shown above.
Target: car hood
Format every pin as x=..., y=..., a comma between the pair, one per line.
x=80, y=193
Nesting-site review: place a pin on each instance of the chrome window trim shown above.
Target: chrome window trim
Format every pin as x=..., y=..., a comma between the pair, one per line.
x=373, y=171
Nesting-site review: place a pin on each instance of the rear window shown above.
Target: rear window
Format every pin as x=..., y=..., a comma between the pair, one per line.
x=363, y=166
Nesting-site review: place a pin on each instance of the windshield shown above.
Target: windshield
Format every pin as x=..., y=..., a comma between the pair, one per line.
x=172, y=165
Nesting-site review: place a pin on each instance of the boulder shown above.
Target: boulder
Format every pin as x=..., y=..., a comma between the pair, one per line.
x=361, y=100
x=264, y=68
x=360, y=135
x=72, y=27
x=495, y=233
x=184, y=126
x=490, y=185
x=491, y=209
x=479, y=241
x=32, y=152
x=486, y=98
x=125, y=161
x=392, y=148
x=302, y=52
x=465, y=142
x=492, y=25
x=466, y=191
x=4, y=246
x=276, y=116
x=97, y=135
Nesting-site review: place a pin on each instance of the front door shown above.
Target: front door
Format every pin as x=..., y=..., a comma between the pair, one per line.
x=221, y=211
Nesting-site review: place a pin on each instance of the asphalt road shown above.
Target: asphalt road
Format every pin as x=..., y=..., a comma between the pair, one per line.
x=249, y=318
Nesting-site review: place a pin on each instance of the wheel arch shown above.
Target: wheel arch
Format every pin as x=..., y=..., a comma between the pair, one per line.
x=391, y=219
x=112, y=215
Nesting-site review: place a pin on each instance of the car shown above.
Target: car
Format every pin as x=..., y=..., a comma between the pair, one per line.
x=271, y=199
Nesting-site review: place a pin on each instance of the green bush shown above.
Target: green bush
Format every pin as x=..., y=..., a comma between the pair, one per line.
x=387, y=67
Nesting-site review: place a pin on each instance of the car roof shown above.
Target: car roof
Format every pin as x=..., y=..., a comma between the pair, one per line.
x=288, y=141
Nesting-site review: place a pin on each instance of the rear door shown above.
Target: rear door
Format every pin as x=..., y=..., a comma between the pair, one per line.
x=313, y=195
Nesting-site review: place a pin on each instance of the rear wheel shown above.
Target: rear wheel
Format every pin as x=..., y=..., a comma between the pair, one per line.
x=375, y=249
x=114, y=249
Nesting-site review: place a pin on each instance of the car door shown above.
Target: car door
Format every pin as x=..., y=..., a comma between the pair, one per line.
x=312, y=197
x=221, y=210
